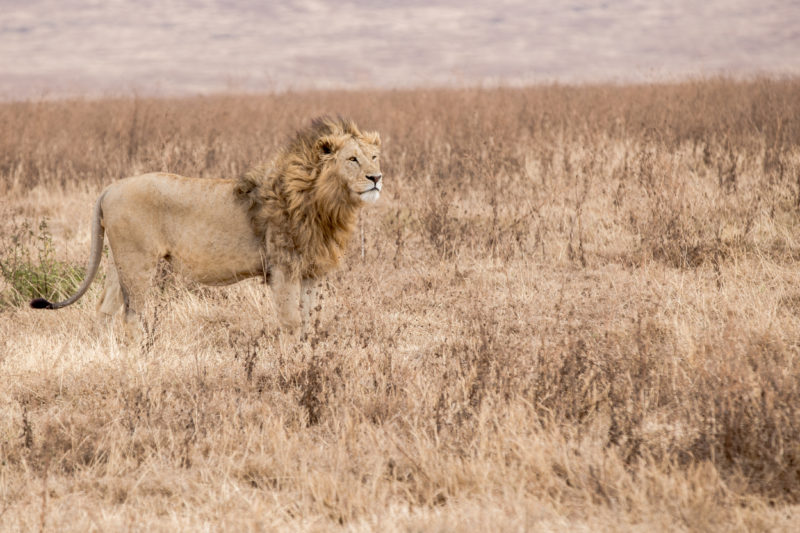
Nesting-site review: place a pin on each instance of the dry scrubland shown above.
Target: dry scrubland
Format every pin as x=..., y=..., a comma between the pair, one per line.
x=573, y=309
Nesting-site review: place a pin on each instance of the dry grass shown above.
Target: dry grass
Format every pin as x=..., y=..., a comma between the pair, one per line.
x=576, y=309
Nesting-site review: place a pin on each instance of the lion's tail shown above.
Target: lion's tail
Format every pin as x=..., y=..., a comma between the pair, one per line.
x=94, y=262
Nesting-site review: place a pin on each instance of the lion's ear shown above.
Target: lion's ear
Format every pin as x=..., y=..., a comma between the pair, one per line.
x=328, y=144
x=373, y=137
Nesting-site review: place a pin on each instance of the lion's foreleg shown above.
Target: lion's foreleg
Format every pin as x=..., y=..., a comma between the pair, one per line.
x=286, y=298
x=308, y=299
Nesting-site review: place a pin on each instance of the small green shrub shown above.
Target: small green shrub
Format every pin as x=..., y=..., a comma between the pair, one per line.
x=30, y=270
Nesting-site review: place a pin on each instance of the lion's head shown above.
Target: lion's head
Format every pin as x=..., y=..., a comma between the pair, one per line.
x=347, y=160
x=312, y=191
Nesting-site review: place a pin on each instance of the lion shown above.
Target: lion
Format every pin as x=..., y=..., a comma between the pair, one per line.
x=289, y=221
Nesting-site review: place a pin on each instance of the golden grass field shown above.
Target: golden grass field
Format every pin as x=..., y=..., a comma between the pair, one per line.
x=573, y=309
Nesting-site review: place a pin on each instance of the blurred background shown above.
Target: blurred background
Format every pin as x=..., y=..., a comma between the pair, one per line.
x=100, y=48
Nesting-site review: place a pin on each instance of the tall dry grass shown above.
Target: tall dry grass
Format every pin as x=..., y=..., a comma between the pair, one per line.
x=575, y=308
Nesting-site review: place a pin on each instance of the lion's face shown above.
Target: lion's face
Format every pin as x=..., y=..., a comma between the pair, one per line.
x=358, y=165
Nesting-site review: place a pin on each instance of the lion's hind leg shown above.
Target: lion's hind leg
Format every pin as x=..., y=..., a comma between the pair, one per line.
x=111, y=300
x=128, y=285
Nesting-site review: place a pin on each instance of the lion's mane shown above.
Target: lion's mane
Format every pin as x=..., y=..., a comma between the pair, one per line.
x=305, y=216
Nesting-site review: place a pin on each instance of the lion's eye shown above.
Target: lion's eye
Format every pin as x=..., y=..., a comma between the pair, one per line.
x=374, y=157
x=354, y=158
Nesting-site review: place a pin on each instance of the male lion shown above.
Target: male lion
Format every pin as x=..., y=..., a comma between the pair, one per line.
x=289, y=222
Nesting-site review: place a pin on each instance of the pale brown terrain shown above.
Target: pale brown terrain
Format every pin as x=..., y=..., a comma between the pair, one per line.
x=573, y=309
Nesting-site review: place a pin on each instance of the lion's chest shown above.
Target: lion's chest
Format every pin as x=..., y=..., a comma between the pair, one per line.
x=310, y=256
x=321, y=259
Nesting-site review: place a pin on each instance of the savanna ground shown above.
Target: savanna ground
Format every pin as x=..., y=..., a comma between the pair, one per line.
x=574, y=308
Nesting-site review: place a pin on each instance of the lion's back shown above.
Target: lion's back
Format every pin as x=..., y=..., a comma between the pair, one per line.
x=197, y=222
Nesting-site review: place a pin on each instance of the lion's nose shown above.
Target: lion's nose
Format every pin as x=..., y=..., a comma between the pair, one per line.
x=374, y=178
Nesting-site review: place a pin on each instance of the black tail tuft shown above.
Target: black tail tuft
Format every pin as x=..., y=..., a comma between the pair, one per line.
x=41, y=303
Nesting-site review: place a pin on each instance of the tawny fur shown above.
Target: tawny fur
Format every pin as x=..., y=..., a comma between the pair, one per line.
x=290, y=221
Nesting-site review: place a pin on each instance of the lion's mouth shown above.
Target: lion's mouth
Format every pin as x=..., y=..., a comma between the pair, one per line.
x=377, y=187
x=370, y=195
